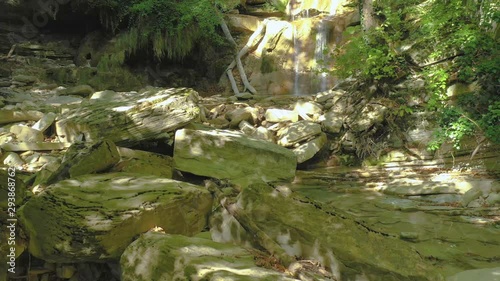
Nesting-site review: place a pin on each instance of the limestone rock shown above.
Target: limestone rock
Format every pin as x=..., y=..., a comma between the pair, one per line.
x=86, y=158
x=237, y=115
x=332, y=122
x=26, y=134
x=370, y=115
x=244, y=23
x=35, y=146
x=231, y=155
x=95, y=217
x=28, y=79
x=143, y=162
x=246, y=127
x=106, y=95
x=262, y=133
x=281, y=115
x=45, y=122
x=63, y=100
x=297, y=132
x=162, y=257
x=472, y=194
x=342, y=244
x=306, y=110
x=12, y=159
x=307, y=150
x=11, y=116
x=146, y=116
x=486, y=274
x=493, y=199
x=80, y=90
x=323, y=97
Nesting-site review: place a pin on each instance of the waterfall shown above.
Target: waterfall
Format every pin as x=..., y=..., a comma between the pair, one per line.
x=296, y=62
x=319, y=54
x=301, y=9
x=295, y=9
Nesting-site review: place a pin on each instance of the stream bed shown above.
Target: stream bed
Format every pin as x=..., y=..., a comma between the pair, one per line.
x=452, y=237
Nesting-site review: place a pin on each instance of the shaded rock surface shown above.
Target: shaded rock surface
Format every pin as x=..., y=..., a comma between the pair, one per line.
x=231, y=155
x=163, y=257
x=95, y=217
x=289, y=225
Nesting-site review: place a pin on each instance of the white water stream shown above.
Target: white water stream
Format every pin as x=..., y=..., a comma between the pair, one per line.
x=297, y=10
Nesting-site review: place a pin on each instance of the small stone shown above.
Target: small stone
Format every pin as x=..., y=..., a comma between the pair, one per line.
x=307, y=150
x=246, y=127
x=65, y=271
x=12, y=159
x=470, y=195
x=35, y=146
x=241, y=114
x=80, y=90
x=332, y=122
x=244, y=96
x=308, y=108
x=327, y=95
x=11, y=116
x=477, y=203
x=62, y=100
x=106, y=95
x=45, y=122
x=28, y=79
x=26, y=134
x=262, y=133
x=408, y=235
x=281, y=115
x=493, y=199
x=297, y=132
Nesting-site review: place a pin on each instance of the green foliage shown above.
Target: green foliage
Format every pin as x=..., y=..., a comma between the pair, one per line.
x=455, y=42
x=454, y=125
x=167, y=28
x=360, y=57
x=436, y=82
x=491, y=122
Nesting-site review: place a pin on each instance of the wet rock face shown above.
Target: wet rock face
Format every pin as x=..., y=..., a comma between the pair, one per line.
x=95, y=217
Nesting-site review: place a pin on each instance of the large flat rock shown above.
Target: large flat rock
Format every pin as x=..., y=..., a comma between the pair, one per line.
x=231, y=155
x=282, y=221
x=146, y=116
x=163, y=257
x=95, y=217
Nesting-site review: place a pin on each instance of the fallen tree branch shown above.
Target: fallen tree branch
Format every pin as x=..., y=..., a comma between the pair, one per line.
x=237, y=61
x=12, y=49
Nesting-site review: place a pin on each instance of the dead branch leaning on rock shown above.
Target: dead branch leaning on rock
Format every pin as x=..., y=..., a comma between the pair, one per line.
x=252, y=41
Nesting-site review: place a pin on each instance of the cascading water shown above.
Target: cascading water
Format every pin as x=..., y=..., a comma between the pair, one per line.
x=300, y=9
x=296, y=47
x=320, y=54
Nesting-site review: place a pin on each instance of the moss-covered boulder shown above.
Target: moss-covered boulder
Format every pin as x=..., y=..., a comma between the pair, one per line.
x=163, y=257
x=231, y=155
x=95, y=217
x=287, y=223
x=150, y=115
